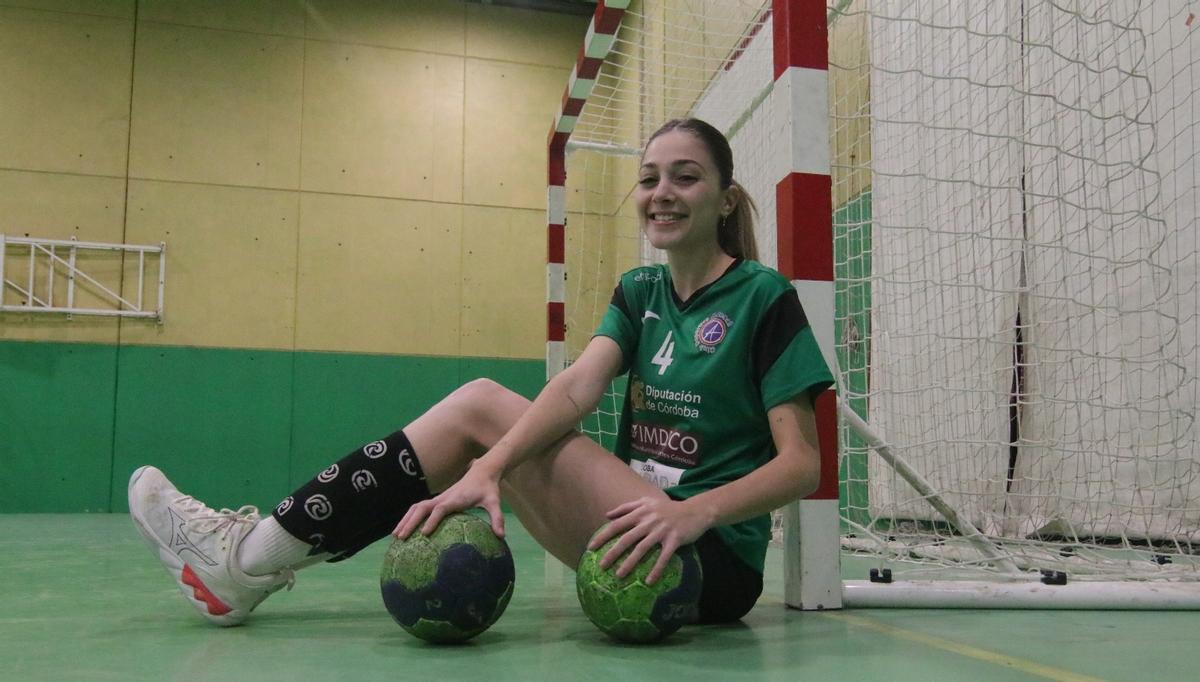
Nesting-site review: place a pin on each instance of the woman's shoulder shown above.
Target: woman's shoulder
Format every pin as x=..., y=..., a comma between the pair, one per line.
x=765, y=276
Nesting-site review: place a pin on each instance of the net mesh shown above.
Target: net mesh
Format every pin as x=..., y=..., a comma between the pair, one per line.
x=1015, y=193
x=1015, y=240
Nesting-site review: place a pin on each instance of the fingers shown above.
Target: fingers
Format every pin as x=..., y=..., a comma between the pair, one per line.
x=643, y=547
x=622, y=521
x=641, y=526
x=628, y=539
x=412, y=518
x=664, y=558
x=427, y=515
x=608, y=532
x=436, y=514
x=497, y=517
x=623, y=509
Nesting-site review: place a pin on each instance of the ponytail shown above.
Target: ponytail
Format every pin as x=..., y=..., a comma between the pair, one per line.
x=735, y=234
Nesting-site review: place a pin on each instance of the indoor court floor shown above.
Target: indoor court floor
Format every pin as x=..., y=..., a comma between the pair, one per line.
x=81, y=598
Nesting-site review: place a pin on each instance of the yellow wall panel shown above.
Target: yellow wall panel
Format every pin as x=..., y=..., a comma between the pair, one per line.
x=503, y=283
x=591, y=262
x=379, y=275
x=105, y=8
x=231, y=264
x=296, y=155
x=382, y=122
x=54, y=206
x=505, y=34
x=509, y=109
x=279, y=17
x=850, y=97
x=64, y=100
x=216, y=106
x=425, y=25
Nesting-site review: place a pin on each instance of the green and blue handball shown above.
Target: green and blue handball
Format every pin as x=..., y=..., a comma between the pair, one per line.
x=450, y=585
x=455, y=583
x=628, y=609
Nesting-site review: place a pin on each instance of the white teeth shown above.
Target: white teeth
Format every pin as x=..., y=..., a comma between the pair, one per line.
x=667, y=216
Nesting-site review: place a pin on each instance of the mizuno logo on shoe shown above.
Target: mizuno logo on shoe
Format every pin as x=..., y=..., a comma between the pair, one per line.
x=181, y=543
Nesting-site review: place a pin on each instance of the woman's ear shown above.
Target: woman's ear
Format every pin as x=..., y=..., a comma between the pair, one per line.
x=729, y=202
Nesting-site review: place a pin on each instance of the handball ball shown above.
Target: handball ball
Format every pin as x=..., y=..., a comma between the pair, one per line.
x=627, y=608
x=451, y=585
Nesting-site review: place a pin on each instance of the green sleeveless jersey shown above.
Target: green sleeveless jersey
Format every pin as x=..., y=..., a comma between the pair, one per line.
x=702, y=375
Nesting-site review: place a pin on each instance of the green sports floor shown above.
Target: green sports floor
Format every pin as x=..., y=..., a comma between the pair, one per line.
x=81, y=598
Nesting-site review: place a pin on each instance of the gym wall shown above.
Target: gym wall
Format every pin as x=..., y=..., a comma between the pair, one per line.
x=352, y=196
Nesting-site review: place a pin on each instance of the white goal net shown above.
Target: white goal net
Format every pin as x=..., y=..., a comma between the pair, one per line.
x=1015, y=215
x=1015, y=234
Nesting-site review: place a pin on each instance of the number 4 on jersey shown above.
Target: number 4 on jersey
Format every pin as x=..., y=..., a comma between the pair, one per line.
x=663, y=357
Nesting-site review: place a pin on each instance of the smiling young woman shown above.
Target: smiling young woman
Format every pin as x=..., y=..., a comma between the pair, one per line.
x=717, y=428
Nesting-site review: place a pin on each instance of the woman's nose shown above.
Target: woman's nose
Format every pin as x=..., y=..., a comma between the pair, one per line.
x=663, y=191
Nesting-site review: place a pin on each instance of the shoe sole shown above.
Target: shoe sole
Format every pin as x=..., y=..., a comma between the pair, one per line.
x=189, y=584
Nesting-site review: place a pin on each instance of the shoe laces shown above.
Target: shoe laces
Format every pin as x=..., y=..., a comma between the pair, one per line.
x=205, y=519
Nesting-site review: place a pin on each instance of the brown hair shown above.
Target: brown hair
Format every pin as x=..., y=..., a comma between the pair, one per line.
x=735, y=233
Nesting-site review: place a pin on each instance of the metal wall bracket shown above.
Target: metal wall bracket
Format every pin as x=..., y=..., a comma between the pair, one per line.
x=51, y=259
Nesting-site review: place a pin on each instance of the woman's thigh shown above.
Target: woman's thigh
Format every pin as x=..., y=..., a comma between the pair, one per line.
x=560, y=496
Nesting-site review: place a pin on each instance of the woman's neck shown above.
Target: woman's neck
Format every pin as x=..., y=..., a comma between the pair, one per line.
x=691, y=272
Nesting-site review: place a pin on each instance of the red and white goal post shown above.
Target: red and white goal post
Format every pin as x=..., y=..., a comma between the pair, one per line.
x=989, y=212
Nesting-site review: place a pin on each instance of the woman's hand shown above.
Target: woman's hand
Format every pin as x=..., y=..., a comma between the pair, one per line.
x=479, y=487
x=644, y=523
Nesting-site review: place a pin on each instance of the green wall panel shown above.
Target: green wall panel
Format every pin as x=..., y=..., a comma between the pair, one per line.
x=56, y=426
x=523, y=376
x=229, y=426
x=852, y=302
x=217, y=421
x=346, y=400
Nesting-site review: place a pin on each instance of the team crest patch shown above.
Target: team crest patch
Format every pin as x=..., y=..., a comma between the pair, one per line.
x=712, y=331
x=637, y=394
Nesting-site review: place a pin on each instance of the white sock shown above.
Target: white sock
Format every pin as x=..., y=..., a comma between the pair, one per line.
x=268, y=548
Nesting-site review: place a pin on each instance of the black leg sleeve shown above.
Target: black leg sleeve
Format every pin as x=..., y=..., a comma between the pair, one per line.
x=356, y=501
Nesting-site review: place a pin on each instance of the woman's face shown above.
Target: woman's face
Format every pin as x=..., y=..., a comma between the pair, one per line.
x=679, y=196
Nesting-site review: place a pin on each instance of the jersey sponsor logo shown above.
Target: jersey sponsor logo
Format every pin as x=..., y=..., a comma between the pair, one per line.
x=652, y=276
x=658, y=474
x=664, y=400
x=661, y=442
x=712, y=331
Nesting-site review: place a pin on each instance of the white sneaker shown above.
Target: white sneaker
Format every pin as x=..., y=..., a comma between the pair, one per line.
x=197, y=545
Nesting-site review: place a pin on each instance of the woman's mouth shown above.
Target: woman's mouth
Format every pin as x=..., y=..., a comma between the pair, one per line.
x=666, y=217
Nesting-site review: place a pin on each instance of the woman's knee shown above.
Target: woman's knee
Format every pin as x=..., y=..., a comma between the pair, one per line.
x=485, y=409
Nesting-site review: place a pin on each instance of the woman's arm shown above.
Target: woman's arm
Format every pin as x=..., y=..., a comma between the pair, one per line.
x=561, y=405
x=558, y=409
x=792, y=474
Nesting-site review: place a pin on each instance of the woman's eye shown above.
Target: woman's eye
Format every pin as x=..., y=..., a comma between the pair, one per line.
x=685, y=179
x=648, y=182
